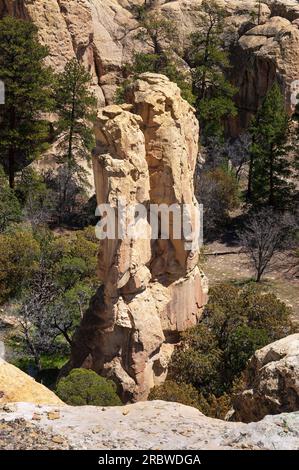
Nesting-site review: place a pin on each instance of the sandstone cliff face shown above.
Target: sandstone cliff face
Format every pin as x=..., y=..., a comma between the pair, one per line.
x=146, y=153
x=264, y=54
x=15, y=386
x=272, y=381
x=102, y=33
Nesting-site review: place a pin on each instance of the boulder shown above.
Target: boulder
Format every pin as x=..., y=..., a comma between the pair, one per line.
x=271, y=381
x=16, y=386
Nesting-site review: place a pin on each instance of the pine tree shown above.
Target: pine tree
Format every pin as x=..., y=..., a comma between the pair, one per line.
x=155, y=30
x=158, y=33
x=10, y=210
x=75, y=106
x=269, y=168
x=23, y=131
x=209, y=62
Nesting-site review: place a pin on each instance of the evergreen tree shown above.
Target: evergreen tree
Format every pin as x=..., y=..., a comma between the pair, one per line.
x=155, y=30
x=27, y=95
x=209, y=62
x=10, y=210
x=269, y=168
x=76, y=109
x=139, y=11
x=256, y=14
x=75, y=105
x=158, y=33
x=86, y=387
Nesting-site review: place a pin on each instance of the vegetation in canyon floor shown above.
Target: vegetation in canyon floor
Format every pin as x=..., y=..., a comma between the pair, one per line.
x=206, y=369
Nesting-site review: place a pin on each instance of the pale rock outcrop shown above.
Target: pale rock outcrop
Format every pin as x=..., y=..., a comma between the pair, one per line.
x=151, y=288
x=264, y=54
x=271, y=381
x=16, y=386
x=153, y=425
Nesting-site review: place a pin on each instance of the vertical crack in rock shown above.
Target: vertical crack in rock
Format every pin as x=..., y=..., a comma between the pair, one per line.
x=146, y=153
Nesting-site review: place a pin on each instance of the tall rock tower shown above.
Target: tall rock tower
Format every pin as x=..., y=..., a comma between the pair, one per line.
x=151, y=289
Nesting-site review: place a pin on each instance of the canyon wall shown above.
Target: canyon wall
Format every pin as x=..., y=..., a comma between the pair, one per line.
x=103, y=34
x=266, y=53
x=151, y=288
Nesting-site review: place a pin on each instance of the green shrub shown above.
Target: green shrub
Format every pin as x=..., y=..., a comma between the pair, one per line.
x=188, y=395
x=71, y=270
x=198, y=359
x=230, y=306
x=242, y=344
x=179, y=393
x=36, y=199
x=19, y=254
x=236, y=322
x=219, y=193
x=85, y=387
x=155, y=63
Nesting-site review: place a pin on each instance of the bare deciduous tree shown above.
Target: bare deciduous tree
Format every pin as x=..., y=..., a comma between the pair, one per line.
x=39, y=334
x=48, y=313
x=264, y=235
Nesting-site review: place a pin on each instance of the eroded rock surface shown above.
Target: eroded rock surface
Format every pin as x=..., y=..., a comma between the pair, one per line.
x=151, y=289
x=144, y=425
x=272, y=381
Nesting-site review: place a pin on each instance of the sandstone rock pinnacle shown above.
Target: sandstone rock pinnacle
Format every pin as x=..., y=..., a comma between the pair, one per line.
x=151, y=289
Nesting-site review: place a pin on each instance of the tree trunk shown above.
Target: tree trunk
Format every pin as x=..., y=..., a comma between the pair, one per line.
x=259, y=276
x=250, y=174
x=11, y=167
x=12, y=151
x=37, y=363
x=271, y=178
x=259, y=12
